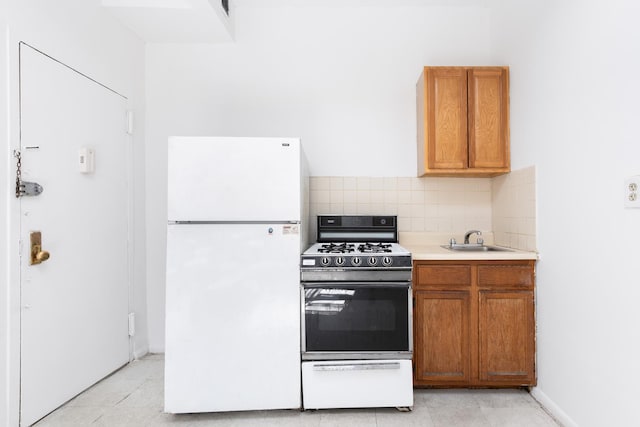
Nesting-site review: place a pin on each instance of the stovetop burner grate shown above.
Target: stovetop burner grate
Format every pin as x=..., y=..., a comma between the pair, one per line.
x=345, y=248
x=336, y=248
x=373, y=248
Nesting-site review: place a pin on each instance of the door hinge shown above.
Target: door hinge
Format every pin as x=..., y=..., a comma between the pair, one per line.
x=132, y=324
x=130, y=122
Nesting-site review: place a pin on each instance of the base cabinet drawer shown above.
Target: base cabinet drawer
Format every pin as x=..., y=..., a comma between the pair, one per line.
x=357, y=384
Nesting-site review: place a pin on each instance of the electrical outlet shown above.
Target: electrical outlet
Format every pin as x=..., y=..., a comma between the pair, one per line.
x=632, y=192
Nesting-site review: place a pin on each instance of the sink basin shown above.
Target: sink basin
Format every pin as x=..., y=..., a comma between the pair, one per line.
x=475, y=248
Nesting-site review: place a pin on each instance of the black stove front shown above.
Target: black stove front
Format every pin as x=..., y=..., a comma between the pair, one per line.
x=356, y=248
x=356, y=291
x=357, y=228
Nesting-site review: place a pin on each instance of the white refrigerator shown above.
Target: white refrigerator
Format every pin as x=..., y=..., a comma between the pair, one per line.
x=237, y=209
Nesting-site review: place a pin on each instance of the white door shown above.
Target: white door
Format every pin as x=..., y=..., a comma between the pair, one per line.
x=74, y=305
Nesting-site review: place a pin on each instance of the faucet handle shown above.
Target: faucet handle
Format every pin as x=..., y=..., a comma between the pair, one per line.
x=452, y=241
x=480, y=241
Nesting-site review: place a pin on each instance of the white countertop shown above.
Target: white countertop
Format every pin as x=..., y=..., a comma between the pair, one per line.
x=427, y=246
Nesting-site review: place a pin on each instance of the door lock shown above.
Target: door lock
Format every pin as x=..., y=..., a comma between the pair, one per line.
x=26, y=188
x=37, y=254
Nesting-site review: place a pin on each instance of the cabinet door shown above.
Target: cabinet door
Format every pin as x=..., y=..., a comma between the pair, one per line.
x=488, y=117
x=506, y=338
x=441, y=351
x=446, y=118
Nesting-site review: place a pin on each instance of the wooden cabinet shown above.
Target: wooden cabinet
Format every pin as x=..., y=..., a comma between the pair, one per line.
x=506, y=338
x=474, y=323
x=443, y=337
x=463, y=121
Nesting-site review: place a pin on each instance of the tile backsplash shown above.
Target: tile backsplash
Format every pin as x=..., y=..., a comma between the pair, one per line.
x=421, y=204
x=514, y=209
x=504, y=205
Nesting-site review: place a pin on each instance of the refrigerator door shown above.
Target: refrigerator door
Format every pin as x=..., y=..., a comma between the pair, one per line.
x=234, y=179
x=233, y=318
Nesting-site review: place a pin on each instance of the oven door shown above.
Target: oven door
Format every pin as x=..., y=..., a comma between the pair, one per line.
x=356, y=320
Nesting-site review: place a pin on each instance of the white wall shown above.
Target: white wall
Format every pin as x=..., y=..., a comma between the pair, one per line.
x=341, y=78
x=574, y=109
x=84, y=36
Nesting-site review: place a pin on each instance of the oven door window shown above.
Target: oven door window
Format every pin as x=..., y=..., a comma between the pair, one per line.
x=357, y=318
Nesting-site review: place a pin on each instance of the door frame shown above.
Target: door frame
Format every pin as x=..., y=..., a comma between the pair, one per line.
x=14, y=245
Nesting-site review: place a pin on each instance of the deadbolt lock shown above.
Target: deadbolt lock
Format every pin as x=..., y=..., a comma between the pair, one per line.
x=37, y=254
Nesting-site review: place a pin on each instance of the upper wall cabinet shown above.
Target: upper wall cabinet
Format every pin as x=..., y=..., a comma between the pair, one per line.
x=463, y=121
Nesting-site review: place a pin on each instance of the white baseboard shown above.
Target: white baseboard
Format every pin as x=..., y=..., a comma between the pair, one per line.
x=550, y=406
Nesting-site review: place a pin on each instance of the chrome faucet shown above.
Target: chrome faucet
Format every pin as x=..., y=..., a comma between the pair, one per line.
x=469, y=233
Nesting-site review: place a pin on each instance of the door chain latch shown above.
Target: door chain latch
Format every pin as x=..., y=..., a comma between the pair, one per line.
x=24, y=188
x=30, y=189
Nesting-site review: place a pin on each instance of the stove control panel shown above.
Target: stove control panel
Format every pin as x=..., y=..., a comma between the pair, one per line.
x=355, y=261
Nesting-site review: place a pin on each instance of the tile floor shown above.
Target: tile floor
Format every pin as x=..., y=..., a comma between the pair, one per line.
x=133, y=396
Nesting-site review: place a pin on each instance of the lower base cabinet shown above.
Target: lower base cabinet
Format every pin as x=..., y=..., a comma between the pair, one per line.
x=474, y=323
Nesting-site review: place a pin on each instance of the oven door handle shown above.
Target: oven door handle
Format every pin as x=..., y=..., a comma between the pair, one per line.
x=356, y=285
x=356, y=366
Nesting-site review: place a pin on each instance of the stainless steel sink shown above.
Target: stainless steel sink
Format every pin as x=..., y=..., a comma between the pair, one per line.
x=475, y=248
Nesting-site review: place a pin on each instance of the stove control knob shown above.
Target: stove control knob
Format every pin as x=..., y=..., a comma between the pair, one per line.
x=339, y=260
x=356, y=261
x=387, y=261
x=372, y=261
x=325, y=261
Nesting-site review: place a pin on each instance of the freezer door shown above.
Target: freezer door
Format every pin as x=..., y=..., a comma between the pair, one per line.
x=234, y=179
x=232, y=318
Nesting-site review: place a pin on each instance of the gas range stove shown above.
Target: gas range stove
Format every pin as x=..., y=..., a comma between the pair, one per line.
x=356, y=248
x=356, y=314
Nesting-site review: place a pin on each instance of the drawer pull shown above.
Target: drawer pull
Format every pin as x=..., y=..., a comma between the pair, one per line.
x=356, y=367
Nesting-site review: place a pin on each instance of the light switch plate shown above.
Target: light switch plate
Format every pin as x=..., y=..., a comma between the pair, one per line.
x=632, y=192
x=86, y=160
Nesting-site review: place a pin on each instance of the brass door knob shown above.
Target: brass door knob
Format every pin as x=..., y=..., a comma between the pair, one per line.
x=42, y=256
x=37, y=254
